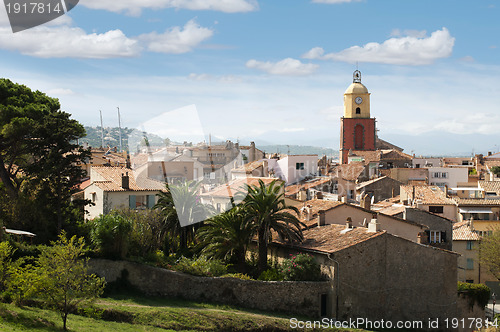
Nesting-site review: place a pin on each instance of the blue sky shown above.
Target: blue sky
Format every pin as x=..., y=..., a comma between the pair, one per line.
x=271, y=70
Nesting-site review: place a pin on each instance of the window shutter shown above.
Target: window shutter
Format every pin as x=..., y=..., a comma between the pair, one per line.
x=151, y=201
x=428, y=236
x=131, y=202
x=443, y=236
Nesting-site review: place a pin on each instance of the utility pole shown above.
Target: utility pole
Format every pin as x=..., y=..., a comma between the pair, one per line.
x=120, y=129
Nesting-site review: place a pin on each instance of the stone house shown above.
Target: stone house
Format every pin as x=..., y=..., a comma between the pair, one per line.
x=377, y=275
x=334, y=212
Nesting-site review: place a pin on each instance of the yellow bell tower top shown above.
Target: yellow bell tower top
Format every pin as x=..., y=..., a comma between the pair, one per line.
x=357, y=99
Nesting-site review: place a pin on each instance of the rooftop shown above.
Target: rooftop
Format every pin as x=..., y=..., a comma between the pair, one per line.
x=113, y=180
x=236, y=186
x=464, y=231
x=428, y=194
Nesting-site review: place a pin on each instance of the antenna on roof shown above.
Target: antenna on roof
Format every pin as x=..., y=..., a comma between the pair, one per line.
x=120, y=129
x=102, y=131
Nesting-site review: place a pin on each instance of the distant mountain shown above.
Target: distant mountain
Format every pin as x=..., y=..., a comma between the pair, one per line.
x=112, y=137
x=299, y=149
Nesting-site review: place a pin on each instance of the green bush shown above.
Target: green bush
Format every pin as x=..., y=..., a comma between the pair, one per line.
x=271, y=274
x=201, y=266
x=477, y=293
x=301, y=267
x=111, y=234
x=237, y=275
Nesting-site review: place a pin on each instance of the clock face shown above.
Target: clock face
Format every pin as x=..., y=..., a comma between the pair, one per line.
x=358, y=100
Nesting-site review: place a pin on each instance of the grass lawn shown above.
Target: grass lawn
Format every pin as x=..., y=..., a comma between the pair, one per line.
x=139, y=313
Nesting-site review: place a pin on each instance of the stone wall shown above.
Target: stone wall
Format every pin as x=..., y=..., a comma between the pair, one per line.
x=302, y=298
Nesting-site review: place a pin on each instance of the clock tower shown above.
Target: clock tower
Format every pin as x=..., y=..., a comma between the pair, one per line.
x=357, y=129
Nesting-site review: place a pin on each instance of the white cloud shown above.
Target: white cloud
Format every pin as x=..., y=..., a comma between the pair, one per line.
x=409, y=50
x=334, y=1
x=176, y=40
x=61, y=42
x=409, y=33
x=134, y=7
x=288, y=66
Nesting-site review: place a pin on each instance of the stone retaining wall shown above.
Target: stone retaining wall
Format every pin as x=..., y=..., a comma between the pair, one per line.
x=302, y=298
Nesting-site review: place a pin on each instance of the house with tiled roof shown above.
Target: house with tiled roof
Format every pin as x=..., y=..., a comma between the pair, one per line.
x=379, y=188
x=320, y=212
x=369, y=268
x=116, y=187
x=429, y=198
x=466, y=241
x=294, y=168
x=257, y=168
x=308, y=189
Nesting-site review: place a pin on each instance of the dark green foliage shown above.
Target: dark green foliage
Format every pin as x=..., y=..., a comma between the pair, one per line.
x=39, y=158
x=201, y=266
x=111, y=234
x=301, y=267
x=271, y=274
x=489, y=253
x=227, y=236
x=267, y=211
x=476, y=292
x=495, y=170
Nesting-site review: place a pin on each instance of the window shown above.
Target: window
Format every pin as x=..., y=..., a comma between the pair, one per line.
x=470, y=281
x=299, y=165
x=94, y=196
x=436, y=175
x=141, y=201
x=436, y=209
x=417, y=165
x=358, y=110
x=470, y=245
x=435, y=237
x=444, y=175
x=470, y=264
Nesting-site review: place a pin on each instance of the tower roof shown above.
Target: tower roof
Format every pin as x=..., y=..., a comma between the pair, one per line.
x=356, y=88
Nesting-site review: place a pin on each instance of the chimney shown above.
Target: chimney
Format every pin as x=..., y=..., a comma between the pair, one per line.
x=125, y=181
x=422, y=238
x=413, y=195
x=321, y=218
x=308, y=212
x=348, y=223
x=446, y=190
x=366, y=202
x=489, y=153
x=373, y=226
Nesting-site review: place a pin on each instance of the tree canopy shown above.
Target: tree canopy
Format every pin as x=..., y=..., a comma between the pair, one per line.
x=489, y=253
x=39, y=158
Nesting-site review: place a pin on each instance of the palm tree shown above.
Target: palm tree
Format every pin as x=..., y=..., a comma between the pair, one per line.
x=181, y=210
x=267, y=211
x=227, y=236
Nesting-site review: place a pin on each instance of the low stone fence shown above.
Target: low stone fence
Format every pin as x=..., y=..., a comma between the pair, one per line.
x=301, y=298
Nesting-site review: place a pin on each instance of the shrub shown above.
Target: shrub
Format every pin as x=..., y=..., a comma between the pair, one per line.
x=110, y=233
x=301, y=267
x=201, y=266
x=271, y=274
x=237, y=275
x=477, y=293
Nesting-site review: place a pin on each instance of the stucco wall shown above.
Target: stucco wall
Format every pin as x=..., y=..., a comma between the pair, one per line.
x=382, y=189
x=303, y=298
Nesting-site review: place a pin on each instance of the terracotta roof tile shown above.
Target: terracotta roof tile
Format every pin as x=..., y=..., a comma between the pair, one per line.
x=490, y=186
x=248, y=168
x=349, y=172
x=428, y=194
x=332, y=238
x=463, y=231
x=393, y=209
x=237, y=185
x=476, y=201
x=113, y=180
x=294, y=189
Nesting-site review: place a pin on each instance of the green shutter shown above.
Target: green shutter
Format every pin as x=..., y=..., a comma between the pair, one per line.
x=131, y=202
x=150, y=201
